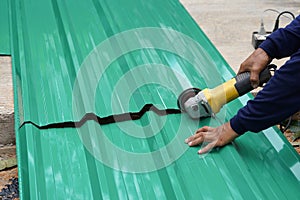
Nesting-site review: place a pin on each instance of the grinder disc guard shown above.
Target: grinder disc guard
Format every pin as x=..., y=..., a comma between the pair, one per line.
x=185, y=95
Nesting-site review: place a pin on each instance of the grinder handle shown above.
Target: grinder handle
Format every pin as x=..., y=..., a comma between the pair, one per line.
x=243, y=84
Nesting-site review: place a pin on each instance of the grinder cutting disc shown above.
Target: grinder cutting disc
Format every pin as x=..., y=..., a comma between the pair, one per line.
x=185, y=95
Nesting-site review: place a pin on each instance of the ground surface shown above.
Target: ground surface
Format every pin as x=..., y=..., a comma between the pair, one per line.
x=8, y=166
x=229, y=24
x=6, y=175
x=288, y=134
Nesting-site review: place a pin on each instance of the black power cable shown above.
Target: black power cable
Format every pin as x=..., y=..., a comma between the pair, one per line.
x=276, y=25
x=284, y=127
x=259, y=36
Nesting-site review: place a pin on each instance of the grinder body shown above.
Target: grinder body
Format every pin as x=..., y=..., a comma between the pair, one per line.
x=209, y=101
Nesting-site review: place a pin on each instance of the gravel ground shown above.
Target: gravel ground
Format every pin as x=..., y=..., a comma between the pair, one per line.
x=9, y=184
x=8, y=171
x=6, y=175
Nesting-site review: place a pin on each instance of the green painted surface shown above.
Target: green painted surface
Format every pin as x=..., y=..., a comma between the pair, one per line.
x=57, y=165
x=111, y=57
x=4, y=28
x=52, y=42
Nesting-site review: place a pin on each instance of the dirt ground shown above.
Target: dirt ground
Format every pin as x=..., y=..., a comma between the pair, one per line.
x=8, y=169
x=288, y=135
x=6, y=175
x=6, y=184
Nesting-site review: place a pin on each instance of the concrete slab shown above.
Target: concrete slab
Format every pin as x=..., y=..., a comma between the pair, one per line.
x=229, y=24
x=7, y=134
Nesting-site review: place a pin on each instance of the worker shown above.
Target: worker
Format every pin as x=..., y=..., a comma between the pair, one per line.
x=279, y=99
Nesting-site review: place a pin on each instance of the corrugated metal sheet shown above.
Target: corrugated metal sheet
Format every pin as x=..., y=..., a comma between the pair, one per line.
x=110, y=57
x=57, y=40
x=56, y=165
x=4, y=28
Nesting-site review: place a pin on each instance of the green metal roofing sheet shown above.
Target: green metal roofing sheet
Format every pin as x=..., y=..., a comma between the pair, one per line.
x=71, y=58
x=52, y=43
x=4, y=28
x=57, y=165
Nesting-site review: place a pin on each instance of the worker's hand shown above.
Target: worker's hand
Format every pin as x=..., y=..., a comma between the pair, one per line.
x=215, y=137
x=254, y=64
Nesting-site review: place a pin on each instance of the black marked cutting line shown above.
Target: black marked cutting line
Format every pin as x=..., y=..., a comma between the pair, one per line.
x=106, y=120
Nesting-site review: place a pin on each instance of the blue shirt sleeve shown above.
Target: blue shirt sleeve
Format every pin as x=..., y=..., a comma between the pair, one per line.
x=280, y=98
x=284, y=42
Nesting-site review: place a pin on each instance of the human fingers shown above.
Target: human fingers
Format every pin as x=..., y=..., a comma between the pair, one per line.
x=255, y=63
x=203, y=129
x=254, y=78
x=208, y=134
x=244, y=67
x=254, y=72
x=213, y=139
x=195, y=139
x=198, y=134
x=207, y=148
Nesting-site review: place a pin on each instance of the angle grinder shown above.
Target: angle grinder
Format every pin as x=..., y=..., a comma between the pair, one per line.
x=204, y=103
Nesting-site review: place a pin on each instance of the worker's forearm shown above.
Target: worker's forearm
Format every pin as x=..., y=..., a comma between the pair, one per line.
x=278, y=100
